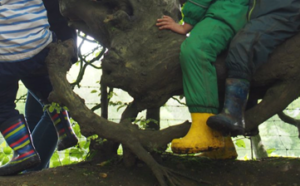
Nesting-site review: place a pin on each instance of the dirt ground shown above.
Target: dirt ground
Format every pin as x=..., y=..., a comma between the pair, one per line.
x=268, y=172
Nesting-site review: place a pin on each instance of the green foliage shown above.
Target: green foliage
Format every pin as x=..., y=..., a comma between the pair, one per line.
x=120, y=150
x=240, y=143
x=269, y=151
x=182, y=15
x=55, y=160
x=54, y=107
x=74, y=154
x=142, y=123
x=5, y=153
x=246, y=158
x=94, y=91
x=120, y=104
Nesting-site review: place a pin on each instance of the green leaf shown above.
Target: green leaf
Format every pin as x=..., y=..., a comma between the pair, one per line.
x=76, y=129
x=55, y=164
x=76, y=153
x=82, y=144
x=93, y=137
x=7, y=150
x=120, y=150
x=66, y=108
x=55, y=161
x=87, y=144
x=246, y=157
x=269, y=151
x=51, y=108
x=3, y=144
x=66, y=159
x=5, y=160
x=94, y=91
x=240, y=143
x=1, y=156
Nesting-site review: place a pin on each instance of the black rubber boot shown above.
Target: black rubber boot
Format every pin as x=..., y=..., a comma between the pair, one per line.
x=231, y=119
x=65, y=133
x=18, y=137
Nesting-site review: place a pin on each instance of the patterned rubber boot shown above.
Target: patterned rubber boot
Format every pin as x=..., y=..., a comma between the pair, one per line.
x=65, y=133
x=226, y=153
x=17, y=135
x=199, y=138
x=231, y=119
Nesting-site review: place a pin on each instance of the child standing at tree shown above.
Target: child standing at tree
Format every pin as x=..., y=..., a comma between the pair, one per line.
x=24, y=36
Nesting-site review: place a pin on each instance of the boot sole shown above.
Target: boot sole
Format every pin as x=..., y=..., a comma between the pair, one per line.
x=67, y=144
x=225, y=128
x=192, y=150
x=19, y=167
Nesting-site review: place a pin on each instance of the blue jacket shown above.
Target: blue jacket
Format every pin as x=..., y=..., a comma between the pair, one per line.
x=284, y=7
x=270, y=23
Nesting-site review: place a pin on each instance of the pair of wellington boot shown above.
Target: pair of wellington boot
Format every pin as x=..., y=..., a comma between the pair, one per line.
x=205, y=132
x=17, y=135
x=202, y=138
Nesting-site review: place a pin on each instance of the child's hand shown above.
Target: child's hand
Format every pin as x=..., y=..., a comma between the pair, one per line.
x=166, y=22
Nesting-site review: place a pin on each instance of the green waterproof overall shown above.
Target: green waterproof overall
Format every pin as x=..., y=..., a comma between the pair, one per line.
x=215, y=23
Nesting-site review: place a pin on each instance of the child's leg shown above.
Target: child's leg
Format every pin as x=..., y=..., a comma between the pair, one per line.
x=40, y=86
x=15, y=130
x=198, y=53
x=66, y=135
x=43, y=132
x=249, y=49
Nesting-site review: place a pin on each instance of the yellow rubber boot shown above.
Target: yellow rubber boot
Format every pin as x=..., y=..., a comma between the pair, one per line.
x=226, y=153
x=200, y=137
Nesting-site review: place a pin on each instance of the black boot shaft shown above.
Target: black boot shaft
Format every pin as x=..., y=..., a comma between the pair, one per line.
x=231, y=119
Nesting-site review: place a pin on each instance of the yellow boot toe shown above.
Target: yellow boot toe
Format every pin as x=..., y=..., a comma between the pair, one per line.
x=226, y=153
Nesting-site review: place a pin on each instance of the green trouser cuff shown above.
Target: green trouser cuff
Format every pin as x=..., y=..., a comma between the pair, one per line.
x=203, y=110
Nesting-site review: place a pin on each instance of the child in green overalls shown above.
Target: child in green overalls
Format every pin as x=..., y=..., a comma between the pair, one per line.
x=212, y=24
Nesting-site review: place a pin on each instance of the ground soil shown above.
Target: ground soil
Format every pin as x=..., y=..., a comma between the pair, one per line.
x=267, y=172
